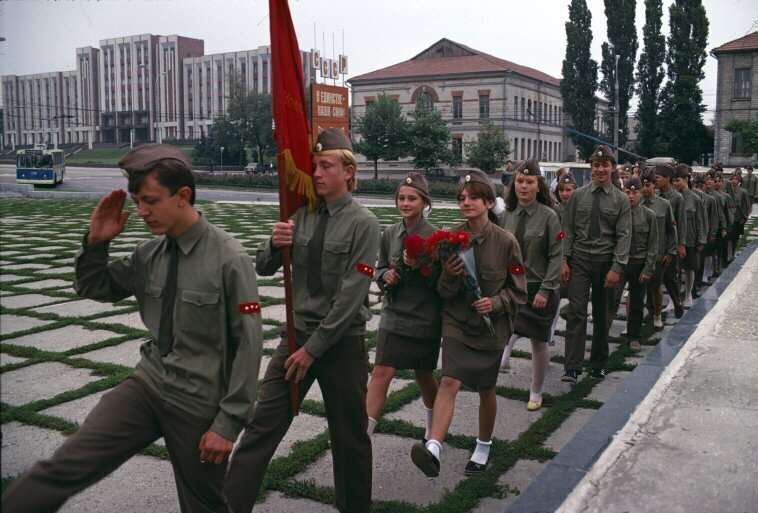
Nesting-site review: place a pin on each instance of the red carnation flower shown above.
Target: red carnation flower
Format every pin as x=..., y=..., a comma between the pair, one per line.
x=414, y=246
x=425, y=271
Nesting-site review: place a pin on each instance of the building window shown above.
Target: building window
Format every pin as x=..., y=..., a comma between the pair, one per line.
x=457, y=107
x=515, y=107
x=369, y=104
x=742, y=83
x=529, y=111
x=458, y=146
x=484, y=106
x=736, y=143
x=528, y=148
x=523, y=108
x=425, y=101
x=515, y=149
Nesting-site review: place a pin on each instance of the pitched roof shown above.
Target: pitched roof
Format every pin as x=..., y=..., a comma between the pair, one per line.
x=745, y=43
x=446, y=57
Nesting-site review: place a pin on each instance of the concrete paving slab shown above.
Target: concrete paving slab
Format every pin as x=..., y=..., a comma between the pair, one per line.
x=150, y=487
x=58, y=270
x=63, y=339
x=276, y=502
x=42, y=381
x=512, y=417
x=10, y=278
x=46, y=284
x=126, y=353
x=7, y=359
x=79, y=308
x=515, y=480
x=10, y=324
x=23, y=445
x=520, y=376
x=373, y=323
x=303, y=427
x=13, y=267
x=130, y=320
x=277, y=292
x=50, y=248
x=395, y=477
x=604, y=389
x=29, y=300
x=314, y=394
x=76, y=410
x=274, y=312
x=570, y=427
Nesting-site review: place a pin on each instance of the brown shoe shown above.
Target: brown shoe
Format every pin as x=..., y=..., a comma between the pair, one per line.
x=634, y=347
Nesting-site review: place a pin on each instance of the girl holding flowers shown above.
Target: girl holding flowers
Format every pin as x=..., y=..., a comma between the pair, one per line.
x=530, y=217
x=409, y=329
x=471, y=352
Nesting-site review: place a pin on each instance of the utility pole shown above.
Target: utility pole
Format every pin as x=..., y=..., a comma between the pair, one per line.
x=616, y=113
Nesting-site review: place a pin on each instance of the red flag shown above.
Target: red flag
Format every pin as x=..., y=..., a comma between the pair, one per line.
x=291, y=131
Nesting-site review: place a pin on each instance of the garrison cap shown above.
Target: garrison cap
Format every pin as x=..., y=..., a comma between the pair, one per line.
x=647, y=175
x=144, y=157
x=568, y=178
x=332, y=139
x=664, y=170
x=417, y=181
x=633, y=183
x=476, y=176
x=698, y=178
x=682, y=171
x=602, y=151
x=529, y=167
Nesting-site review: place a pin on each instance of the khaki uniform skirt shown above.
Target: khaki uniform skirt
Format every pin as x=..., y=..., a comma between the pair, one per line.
x=402, y=352
x=536, y=323
x=475, y=368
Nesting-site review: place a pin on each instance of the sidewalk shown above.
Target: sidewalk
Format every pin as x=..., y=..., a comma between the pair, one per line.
x=690, y=444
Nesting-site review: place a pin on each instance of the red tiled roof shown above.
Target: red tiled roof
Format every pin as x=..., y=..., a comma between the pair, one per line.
x=745, y=43
x=477, y=62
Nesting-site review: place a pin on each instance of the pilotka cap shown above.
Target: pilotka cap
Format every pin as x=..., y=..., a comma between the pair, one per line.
x=529, y=167
x=332, y=139
x=633, y=183
x=602, y=152
x=477, y=176
x=417, y=181
x=144, y=157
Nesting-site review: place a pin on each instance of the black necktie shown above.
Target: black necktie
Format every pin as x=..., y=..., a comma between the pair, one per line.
x=315, y=248
x=521, y=230
x=595, y=215
x=166, y=331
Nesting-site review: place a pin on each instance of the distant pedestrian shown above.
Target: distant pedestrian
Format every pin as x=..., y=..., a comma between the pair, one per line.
x=507, y=174
x=411, y=322
x=750, y=184
x=598, y=229
x=195, y=384
x=557, y=179
x=530, y=217
x=471, y=353
x=716, y=181
x=705, y=262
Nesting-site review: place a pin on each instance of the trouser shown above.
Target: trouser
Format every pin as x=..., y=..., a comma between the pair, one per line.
x=672, y=282
x=342, y=374
x=586, y=275
x=125, y=421
x=631, y=275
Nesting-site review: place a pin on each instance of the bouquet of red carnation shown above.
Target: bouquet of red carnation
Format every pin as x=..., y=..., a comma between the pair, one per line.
x=420, y=263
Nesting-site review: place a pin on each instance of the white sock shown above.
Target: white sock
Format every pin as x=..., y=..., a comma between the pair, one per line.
x=508, y=350
x=540, y=360
x=689, y=279
x=707, y=268
x=428, y=432
x=371, y=426
x=435, y=448
x=555, y=324
x=482, y=452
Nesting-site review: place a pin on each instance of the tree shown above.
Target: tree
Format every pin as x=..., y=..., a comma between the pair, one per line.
x=747, y=135
x=682, y=131
x=579, y=76
x=384, y=132
x=650, y=76
x=491, y=150
x=622, y=41
x=429, y=136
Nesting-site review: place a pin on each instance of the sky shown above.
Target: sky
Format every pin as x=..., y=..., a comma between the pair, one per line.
x=42, y=35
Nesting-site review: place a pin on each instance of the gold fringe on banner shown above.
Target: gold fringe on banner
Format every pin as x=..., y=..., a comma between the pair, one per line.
x=299, y=181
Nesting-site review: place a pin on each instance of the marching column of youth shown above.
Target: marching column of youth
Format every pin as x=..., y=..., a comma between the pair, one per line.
x=640, y=267
x=196, y=380
x=705, y=264
x=411, y=319
x=471, y=353
x=529, y=215
x=597, y=227
x=665, y=177
x=750, y=185
x=666, y=246
x=697, y=230
x=741, y=208
x=728, y=215
x=334, y=250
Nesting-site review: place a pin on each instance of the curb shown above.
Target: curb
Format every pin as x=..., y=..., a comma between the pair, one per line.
x=28, y=191
x=551, y=487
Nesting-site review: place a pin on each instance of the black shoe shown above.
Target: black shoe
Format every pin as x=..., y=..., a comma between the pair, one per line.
x=425, y=460
x=597, y=374
x=678, y=311
x=423, y=441
x=570, y=376
x=474, y=469
x=695, y=293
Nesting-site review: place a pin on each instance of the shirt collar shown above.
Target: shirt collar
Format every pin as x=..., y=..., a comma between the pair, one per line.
x=606, y=188
x=189, y=238
x=529, y=210
x=403, y=231
x=481, y=237
x=333, y=207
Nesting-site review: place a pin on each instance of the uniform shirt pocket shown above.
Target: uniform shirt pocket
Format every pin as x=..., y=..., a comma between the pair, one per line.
x=300, y=250
x=151, y=312
x=335, y=256
x=492, y=281
x=199, y=312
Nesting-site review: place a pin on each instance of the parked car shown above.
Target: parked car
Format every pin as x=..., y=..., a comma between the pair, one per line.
x=254, y=168
x=443, y=175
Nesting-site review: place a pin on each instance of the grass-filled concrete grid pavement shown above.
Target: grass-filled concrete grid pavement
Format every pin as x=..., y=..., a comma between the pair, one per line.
x=59, y=354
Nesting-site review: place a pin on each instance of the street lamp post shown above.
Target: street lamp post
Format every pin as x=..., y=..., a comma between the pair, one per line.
x=221, y=166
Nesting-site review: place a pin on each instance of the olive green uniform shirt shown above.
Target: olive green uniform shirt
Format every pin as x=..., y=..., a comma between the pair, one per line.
x=348, y=257
x=711, y=212
x=416, y=307
x=212, y=369
x=559, y=208
x=666, y=228
x=741, y=204
x=697, y=225
x=615, y=226
x=719, y=207
x=644, y=246
x=700, y=194
x=750, y=184
x=680, y=216
x=543, y=249
x=501, y=276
